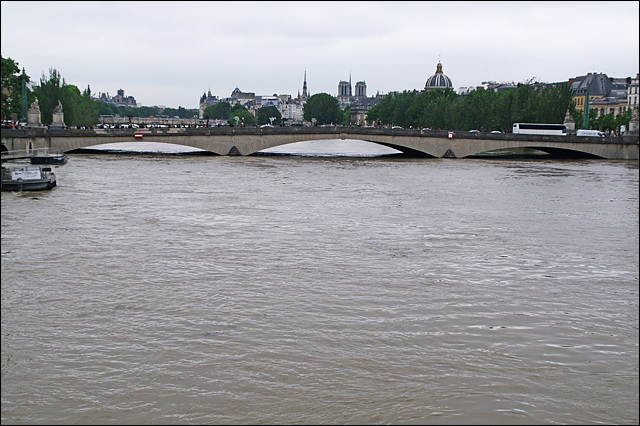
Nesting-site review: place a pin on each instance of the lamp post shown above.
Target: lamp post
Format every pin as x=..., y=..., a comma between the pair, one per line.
x=585, y=122
x=24, y=97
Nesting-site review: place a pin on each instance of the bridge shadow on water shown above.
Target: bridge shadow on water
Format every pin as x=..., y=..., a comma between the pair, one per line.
x=309, y=149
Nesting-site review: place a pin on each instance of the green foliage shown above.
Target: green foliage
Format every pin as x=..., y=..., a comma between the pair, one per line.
x=324, y=108
x=144, y=111
x=79, y=109
x=237, y=107
x=12, y=89
x=578, y=118
x=240, y=116
x=180, y=112
x=346, y=117
x=266, y=112
x=481, y=109
x=48, y=93
x=609, y=122
x=218, y=111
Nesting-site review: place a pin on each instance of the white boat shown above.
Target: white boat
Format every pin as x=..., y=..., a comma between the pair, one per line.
x=27, y=178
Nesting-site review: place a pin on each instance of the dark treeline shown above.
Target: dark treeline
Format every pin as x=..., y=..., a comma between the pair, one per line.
x=483, y=110
x=145, y=111
x=487, y=110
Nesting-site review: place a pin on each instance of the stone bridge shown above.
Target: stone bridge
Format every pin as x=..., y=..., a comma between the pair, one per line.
x=250, y=140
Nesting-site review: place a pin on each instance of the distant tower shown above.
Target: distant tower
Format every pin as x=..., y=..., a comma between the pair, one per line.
x=361, y=90
x=345, y=95
x=343, y=89
x=438, y=80
x=305, y=94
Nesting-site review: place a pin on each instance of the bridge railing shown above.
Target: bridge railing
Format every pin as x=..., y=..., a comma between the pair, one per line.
x=627, y=139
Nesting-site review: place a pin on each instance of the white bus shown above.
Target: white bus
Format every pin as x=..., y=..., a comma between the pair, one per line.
x=539, y=129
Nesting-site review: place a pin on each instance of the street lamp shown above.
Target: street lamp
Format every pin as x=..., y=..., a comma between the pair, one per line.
x=24, y=97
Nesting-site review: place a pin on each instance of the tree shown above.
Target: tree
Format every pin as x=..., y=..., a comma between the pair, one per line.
x=79, y=108
x=265, y=113
x=181, y=112
x=346, y=117
x=481, y=109
x=324, y=108
x=219, y=111
x=48, y=94
x=624, y=118
x=244, y=117
x=12, y=89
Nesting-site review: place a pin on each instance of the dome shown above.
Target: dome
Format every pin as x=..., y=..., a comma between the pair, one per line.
x=438, y=80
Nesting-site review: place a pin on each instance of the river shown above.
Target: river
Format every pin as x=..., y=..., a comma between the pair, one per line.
x=322, y=289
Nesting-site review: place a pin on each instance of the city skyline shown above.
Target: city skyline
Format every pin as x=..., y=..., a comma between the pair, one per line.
x=266, y=48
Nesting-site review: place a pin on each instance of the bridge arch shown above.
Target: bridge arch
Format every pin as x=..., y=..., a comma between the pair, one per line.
x=528, y=148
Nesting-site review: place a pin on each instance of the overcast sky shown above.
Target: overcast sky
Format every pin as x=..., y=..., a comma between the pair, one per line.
x=170, y=53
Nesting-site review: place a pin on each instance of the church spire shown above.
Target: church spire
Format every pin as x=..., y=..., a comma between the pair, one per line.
x=304, y=85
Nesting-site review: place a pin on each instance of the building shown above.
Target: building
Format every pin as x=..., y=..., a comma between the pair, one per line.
x=607, y=95
x=497, y=86
x=360, y=107
x=633, y=100
x=206, y=100
x=119, y=100
x=291, y=109
x=463, y=91
x=595, y=84
x=246, y=99
x=263, y=101
x=345, y=93
x=438, y=80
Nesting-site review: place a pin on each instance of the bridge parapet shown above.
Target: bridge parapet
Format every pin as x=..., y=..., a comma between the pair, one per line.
x=333, y=130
